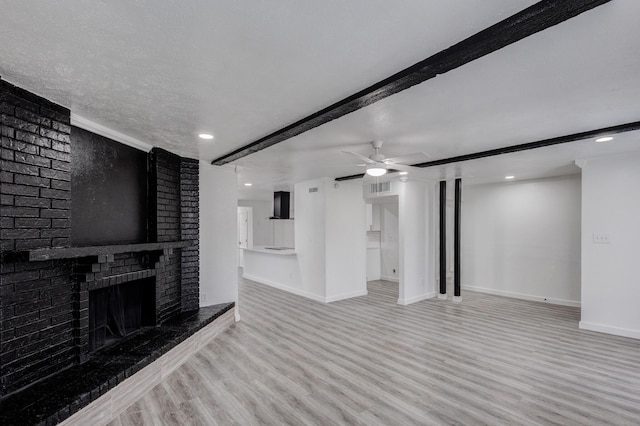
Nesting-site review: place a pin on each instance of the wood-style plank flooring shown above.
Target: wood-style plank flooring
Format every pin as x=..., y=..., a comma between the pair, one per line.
x=368, y=361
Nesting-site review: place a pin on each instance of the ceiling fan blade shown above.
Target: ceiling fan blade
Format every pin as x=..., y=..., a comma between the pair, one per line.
x=362, y=157
x=416, y=157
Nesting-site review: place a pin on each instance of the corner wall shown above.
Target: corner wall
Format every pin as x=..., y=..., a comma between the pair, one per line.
x=331, y=241
x=218, y=235
x=310, y=239
x=611, y=271
x=416, y=247
x=346, y=241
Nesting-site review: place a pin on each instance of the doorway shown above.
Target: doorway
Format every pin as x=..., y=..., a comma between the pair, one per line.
x=383, y=248
x=245, y=232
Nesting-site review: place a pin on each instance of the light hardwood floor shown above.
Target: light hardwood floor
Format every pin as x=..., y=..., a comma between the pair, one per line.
x=368, y=361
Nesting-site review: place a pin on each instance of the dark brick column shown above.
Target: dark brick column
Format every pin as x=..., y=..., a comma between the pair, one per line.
x=36, y=306
x=165, y=196
x=189, y=231
x=164, y=226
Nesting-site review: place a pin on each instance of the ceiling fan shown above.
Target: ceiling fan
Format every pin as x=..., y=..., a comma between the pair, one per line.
x=377, y=164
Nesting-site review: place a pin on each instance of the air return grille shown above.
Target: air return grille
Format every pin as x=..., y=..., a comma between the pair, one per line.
x=379, y=187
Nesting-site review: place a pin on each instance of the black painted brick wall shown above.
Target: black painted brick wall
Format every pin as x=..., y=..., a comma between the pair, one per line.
x=165, y=209
x=37, y=322
x=189, y=231
x=35, y=166
x=168, y=285
x=165, y=172
x=36, y=306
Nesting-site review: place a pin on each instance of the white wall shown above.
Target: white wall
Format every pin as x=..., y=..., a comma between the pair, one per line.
x=522, y=239
x=611, y=272
x=218, y=235
x=310, y=236
x=262, y=230
x=346, y=241
x=330, y=239
x=373, y=264
x=389, y=239
x=283, y=232
x=416, y=247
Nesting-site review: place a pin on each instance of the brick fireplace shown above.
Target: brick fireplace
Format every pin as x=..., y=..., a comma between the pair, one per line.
x=55, y=249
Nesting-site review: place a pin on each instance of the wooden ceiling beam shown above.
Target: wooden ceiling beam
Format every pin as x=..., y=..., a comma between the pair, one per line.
x=575, y=137
x=525, y=23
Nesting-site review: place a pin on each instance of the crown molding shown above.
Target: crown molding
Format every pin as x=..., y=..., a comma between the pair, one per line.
x=101, y=130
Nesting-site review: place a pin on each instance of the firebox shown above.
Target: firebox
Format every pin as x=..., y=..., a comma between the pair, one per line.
x=120, y=310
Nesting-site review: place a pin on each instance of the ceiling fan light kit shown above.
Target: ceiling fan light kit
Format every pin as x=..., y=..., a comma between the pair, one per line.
x=376, y=170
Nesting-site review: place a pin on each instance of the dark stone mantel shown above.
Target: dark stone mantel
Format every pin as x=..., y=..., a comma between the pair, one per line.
x=54, y=253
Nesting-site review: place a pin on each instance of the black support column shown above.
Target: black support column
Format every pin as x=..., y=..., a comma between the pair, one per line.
x=443, y=240
x=456, y=242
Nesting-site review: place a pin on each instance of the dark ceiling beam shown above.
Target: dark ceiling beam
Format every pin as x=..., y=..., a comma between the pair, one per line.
x=529, y=21
x=591, y=134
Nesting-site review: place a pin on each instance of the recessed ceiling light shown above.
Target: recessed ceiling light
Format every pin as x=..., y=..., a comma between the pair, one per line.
x=206, y=136
x=403, y=173
x=604, y=139
x=248, y=184
x=509, y=177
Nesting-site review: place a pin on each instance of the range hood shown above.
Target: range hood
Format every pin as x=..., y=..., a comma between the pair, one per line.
x=281, y=201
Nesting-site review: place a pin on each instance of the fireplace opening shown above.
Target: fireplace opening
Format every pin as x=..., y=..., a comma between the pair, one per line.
x=118, y=311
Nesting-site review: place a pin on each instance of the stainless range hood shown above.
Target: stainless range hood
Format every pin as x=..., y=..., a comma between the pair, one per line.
x=281, y=200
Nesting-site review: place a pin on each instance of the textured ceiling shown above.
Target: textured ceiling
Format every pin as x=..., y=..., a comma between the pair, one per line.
x=164, y=71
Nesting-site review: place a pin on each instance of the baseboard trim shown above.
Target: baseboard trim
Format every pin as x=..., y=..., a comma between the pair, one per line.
x=523, y=296
x=392, y=279
x=415, y=299
x=282, y=287
x=617, y=331
x=344, y=296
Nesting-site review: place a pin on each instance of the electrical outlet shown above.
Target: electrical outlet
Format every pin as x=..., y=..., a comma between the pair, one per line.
x=601, y=239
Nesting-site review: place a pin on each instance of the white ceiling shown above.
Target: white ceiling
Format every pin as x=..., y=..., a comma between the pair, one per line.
x=164, y=71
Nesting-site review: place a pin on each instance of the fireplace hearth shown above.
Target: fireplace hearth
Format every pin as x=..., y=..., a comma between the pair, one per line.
x=58, y=397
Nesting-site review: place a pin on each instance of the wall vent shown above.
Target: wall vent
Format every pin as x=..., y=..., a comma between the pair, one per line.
x=379, y=187
x=314, y=189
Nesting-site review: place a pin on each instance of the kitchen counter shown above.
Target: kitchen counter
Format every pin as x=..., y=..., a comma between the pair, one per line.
x=277, y=267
